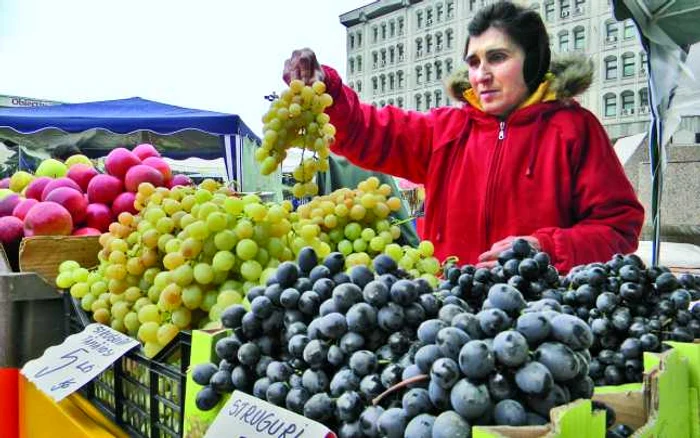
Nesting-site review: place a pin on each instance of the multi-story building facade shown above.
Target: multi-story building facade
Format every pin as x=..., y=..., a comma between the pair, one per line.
x=399, y=52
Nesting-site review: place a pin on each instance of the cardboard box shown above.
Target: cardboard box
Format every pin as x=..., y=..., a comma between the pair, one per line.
x=44, y=254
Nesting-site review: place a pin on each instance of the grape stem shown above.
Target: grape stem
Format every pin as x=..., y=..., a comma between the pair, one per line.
x=402, y=384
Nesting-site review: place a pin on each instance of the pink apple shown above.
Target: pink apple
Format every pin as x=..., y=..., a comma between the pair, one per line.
x=36, y=187
x=5, y=183
x=48, y=219
x=98, y=216
x=140, y=174
x=160, y=165
x=119, y=161
x=73, y=200
x=82, y=173
x=145, y=150
x=86, y=231
x=124, y=202
x=8, y=204
x=180, y=180
x=11, y=230
x=23, y=207
x=59, y=182
x=104, y=188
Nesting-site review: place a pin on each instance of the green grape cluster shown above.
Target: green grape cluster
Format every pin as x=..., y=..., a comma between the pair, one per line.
x=297, y=119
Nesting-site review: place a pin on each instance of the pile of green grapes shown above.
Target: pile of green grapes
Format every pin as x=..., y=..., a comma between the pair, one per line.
x=296, y=119
x=191, y=252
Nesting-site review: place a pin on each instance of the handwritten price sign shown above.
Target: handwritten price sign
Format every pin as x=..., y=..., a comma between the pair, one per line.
x=64, y=368
x=245, y=416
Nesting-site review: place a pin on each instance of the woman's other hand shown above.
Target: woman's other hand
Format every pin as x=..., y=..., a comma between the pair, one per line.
x=490, y=257
x=304, y=66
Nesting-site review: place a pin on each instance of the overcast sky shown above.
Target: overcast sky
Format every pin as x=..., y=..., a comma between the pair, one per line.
x=221, y=55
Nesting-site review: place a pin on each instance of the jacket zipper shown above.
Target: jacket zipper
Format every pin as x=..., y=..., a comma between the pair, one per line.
x=495, y=162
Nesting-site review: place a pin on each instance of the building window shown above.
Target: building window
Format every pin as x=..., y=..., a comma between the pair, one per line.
x=627, y=102
x=392, y=29
x=579, y=38
x=418, y=99
x=629, y=31
x=359, y=86
x=419, y=19
x=610, y=103
x=564, y=41
x=438, y=70
x=428, y=16
x=438, y=12
x=391, y=101
x=643, y=63
x=449, y=38
x=628, y=65
x=450, y=6
x=399, y=78
x=644, y=97
x=391, y=82
x=448, y=66
x=428, y=73
x=383, y=31
x=428, y=100
x=400, y=21
x=382, y=80
x=438, y=97
x=565, y=8
x=375, y=60
x=375, y=34
x=382, y=103
x=472, y=5
x=375, y=85
x=359, y=63
x=611, y=31
x=392, y=55
x=419, y=74
x=549, y=11
x=419, y=47
x=438, y=41
x=359, y=39
x=352, y=66
x=610, y=67
x=399, y=102
x=428, y=43
x=352, y=41
x=579, y=7
x=400, y=51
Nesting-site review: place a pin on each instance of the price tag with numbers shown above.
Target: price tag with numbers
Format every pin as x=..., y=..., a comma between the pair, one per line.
x=64, y=368
x=245, y=416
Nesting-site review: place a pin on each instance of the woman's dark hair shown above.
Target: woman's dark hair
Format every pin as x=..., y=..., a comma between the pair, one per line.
x=525, y=27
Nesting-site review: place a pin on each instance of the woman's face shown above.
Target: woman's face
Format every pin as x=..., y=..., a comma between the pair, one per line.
x=495, y=64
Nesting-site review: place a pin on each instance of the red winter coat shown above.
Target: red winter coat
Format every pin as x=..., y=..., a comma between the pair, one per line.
x=548, y=171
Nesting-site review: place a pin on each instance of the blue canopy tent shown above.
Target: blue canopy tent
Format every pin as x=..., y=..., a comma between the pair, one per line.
x=98, y=127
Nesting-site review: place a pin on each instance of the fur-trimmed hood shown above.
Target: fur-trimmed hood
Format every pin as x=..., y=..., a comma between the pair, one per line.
x=573, y=75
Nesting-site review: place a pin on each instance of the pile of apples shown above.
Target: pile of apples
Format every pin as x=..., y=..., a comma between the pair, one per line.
x=73, y=198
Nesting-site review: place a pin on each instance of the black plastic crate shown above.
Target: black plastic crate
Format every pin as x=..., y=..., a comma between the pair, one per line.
x=145, y=397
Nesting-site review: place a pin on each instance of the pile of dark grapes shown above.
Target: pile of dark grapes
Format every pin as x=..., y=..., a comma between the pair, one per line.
x=630, y=309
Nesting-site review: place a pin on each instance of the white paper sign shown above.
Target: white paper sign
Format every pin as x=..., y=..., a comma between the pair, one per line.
x=64, y=368
x=245, y=416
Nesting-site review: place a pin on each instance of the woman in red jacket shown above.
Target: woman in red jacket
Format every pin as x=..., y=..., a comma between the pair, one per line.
x=520, y=158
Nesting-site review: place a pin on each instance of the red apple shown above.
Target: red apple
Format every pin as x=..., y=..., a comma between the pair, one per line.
x=124, y=202
x=98, y=216
x=48, y=219
x=5, y=183
x=23, y=207
x=180, y=180
x=104, y=188
x=36, y=187
x=59, y=182
x=73, y=200
x=11, y=230
x=145, y=150
x=160, y=165
x=82, y=174
x=140, y=174
x=8, y=204
x=119, y=161
x=86, y=231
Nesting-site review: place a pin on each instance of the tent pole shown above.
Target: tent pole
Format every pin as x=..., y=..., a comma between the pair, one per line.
x=228, y=159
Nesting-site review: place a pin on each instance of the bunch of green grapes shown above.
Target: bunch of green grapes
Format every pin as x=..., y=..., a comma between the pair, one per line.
x=358, y=224
x=187, y=255
x=297, y=119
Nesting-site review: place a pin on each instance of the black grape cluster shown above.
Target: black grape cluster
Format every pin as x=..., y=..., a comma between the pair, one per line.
x=320, y=341
x=630, y=309
x=521, y=266
x=508, y=364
